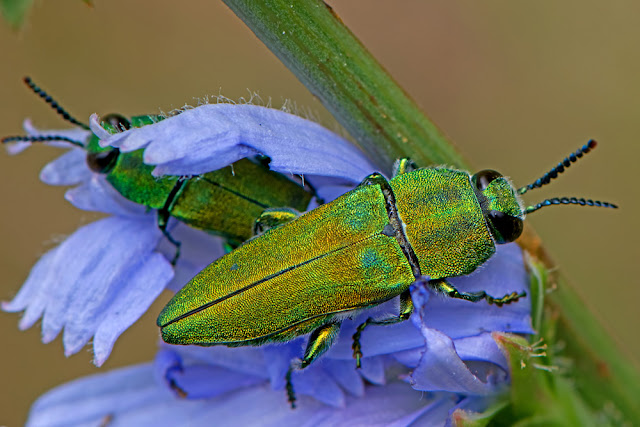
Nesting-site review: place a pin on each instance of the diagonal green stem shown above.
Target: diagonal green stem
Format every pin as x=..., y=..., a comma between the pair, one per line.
x=332, y=63
x=316, y=46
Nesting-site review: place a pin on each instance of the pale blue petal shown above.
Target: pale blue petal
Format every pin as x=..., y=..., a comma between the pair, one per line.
x=68, y=169
x=31, y=297
x=344, y=373
x=433, y=415
x=132, y=396
x=249, y=360
x=77, y=134
x=313, y=381
x=106, y=270
x=442, y=369
x=89, y=278
x=92, y=399
x=278, y=358
x=481, y=348
x=373, y=370
x=210, y=137
x=98, y=195
x=136, y=296
x=197, y=380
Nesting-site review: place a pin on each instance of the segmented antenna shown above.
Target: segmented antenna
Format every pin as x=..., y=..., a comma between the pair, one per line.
x=569, y=201
x=553, y=173
x=41, y=138
x=49, y=100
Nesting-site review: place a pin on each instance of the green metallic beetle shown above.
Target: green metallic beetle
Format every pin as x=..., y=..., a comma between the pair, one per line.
x=224, y=202
x=364, y=248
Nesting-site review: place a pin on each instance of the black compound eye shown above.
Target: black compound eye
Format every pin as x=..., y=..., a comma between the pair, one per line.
x=484, y=178
x=103, y=161
x=119, y=122
x=506, y=228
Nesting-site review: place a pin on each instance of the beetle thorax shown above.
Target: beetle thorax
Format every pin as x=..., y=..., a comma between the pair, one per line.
x=443, y=220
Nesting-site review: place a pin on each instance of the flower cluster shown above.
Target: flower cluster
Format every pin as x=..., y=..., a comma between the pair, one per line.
x=105, y=276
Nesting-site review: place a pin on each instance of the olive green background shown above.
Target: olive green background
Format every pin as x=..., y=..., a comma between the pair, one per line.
x=517, y=85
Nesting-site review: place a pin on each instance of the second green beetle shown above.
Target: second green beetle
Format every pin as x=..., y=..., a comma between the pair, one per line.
x=224, y=202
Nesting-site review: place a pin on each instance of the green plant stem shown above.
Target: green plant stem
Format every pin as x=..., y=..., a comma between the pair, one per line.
x=332, y=63
x=325, y=56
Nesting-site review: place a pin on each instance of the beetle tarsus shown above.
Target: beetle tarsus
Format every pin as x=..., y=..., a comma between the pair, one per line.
x=441, y=285
x=357, y=348
x=291, y=394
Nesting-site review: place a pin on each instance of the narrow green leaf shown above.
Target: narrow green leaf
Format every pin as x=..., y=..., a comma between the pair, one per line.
x=312, y=41
x=14, y=11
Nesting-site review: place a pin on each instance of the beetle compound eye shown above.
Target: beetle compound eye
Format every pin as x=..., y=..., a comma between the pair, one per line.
x=103, y=161
x=483, y=178
x=506, y=228
x=117, y=121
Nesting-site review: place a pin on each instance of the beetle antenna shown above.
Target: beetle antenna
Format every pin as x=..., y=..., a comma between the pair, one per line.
x=41, y=138
x=553, y=173
x=49, y=100
x=569, y=201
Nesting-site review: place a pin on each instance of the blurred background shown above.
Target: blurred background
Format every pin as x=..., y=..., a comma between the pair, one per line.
x=516, y=85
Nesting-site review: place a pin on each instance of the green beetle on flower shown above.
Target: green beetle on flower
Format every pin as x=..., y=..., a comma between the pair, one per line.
x=223, y=202
x=364, y=248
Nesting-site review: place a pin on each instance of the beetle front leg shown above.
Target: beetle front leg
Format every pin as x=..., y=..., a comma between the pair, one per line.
x=319, y=342
x=164, y=214
x=406, y=308
x=441, y=285
x=274, y=217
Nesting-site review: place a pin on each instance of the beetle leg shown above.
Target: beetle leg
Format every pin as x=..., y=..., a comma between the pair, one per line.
x=375, y=178
x=406, y=308
x=165, y=212
x=441, y=285
x=319, y=342
x=403, y=165
x=274, y=217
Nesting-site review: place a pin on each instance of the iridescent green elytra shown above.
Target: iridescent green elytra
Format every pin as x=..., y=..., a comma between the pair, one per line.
x=362, y=249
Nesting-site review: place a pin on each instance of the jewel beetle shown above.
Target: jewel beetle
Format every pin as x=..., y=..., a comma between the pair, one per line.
x=224, y=202
x=358, y=251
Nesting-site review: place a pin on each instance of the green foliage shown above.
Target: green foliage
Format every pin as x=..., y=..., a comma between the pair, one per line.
x=14, y=11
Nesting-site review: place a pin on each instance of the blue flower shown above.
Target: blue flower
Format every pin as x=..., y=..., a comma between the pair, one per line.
x=103, y=277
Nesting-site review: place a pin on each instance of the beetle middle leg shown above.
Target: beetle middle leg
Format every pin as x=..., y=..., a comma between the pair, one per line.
x=403, y=165
x=406, y=308
x=320, y=341
x=441, y=285
x=165, y=212
x=274, y=217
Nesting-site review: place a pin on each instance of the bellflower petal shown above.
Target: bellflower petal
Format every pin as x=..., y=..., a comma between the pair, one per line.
x=76, y=134
x=342, y=372
x=132, y=396
x=68, y=169
x=442, y=369
x=97, y=195
x=84, y=285
x=135, y=298
x=211, y=136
